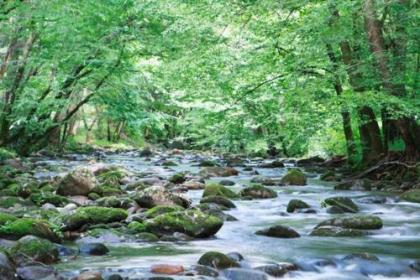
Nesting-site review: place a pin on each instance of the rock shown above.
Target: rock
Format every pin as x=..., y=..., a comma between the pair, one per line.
x=356, y=185
x=244, y=274
x=219, y=190
x=237, y=257
x=94, y=249
x=331, y=231
x=273, y=164
x=193, y=185
x=37, y=249
x=162, y=209
x=217, y=199
x=296, y=204
x=7, y=268
x=154, y=196
x=345, y=203
x=194, y=223
x=366, y=222
x=217, y=171
x=5, y=218
x=227, y=183
x=294, y=177
x=167, y=269
x=90, y=275
x=36, y=272
x=276, y=270
x=93, y=215
x=48, y=197
x=112, y=177
x=146, y=152
x=147, y=237
x=258, y=191
x=411, y=196
x=136, y=227
x=310, y=161
x=279, y=231
x=205, y=271
x=115, y=202
x=28, y=226
x=215, y=210
x=80, y=181
x=329, y=176
x=177, y=178
x=217, y=260
x=264, y=181
x=335, y=210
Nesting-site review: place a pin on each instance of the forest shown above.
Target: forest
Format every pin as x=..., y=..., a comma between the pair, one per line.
x=209, y=139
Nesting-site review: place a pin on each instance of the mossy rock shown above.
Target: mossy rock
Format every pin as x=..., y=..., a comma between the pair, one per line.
x=296, y=204
x=156, y=196
x=12, y=201
x=191, y=222
x=28, y=226
x=217, y=199
x=93, y=215
x=279, y=232
x=106, y=190
x=147, y=237
x=112, y=177
x=344, y=203
x=115, y=202
x=217, y=171
x=37, y=249
x=294, y=177
x=331, y=231
x=258, y=191
x=412, y=196
x=47, y=197
x=217, y=260
x=80, y=181
x=136, y=227
x=364, y=222
x=6, y=218
x=219, y=190
x=178, y=178
x=329, y=176
x=162, y=209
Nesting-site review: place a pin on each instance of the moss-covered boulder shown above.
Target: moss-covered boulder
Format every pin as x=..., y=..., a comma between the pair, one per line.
x=178, y=178
x=258, y=191
x=155, y=196
x=216, y=210
x=147, y=237
x=162, y=209
x=103, y=190
x=294, y=177
x=344, y=203
x=37, y=249
x=217, y=260
x=217, y=171
x=296, y=204
x=219, y=190
x=47, y=197
x=217, y=199
x=115, y=202
x=193, y=223
x=331, y=231
x=364, y=222
x=412, y=196
x=28, y=226
x=80, y=181
x=112, y=177
x=279, y=231
x=93, y=215
x=6, y=218
x=7, y=202
x=136, y=227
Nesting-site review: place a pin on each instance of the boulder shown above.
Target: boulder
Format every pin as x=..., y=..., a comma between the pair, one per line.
x=193, y=185
x=178, y=178
x=344, y=203
x=93, y=249
x=218, y=190
x=296, y=204
x=273, y=164
x=80, y=181
x=331, y=231
x=89, y=275
x=167, y=269
x=217, y=260
x=194, y=223
x=28, y=226
x=217, y=199
x=294, y=177
x=217, y=171
x=37, y=249
x=155, y=196
x=7, y=268
x=276, y=270
x=266, y=181
x=115, y=202
x=411, y=196
x=93, y=215
x=258, y=191
x=279, y=231
x=162, y=209
x=5, y=218
x=363, y=222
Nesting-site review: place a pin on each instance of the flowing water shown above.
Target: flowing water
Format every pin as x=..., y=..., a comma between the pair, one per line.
x=397, y=244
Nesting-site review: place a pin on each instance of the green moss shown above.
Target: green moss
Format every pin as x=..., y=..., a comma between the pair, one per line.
x=10, y=201
x=106, y=190
x=40, y=250
x=112, y=177
x=217, y=260
x=147, y=236
x=217, y=189
x=115, y=202
x=412, y=196
x=294, y=177
x=191, y=222
x=6, y=154
x=161, y=209
x=94, y=215
x=331, y=231
x=177, y=178
x=5, y=218
x=219, y=200
x=28, y=226
x=48, y=197
x=296, y=204
x=136, y=227
x=365, y=222
x=344, y=203
x=258, y=191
